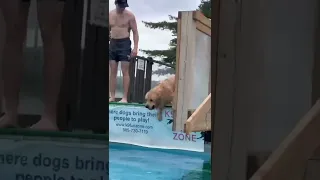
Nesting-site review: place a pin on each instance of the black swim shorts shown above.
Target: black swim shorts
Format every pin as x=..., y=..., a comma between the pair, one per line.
x=120, y=49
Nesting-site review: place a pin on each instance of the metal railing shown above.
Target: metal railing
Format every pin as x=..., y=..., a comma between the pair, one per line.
x=141, y=77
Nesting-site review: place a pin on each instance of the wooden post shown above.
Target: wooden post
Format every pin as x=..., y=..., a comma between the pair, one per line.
x=2, y=36
x=141, y=66
x=194, y=36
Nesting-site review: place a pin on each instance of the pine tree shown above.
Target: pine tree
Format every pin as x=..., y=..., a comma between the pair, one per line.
x=169, y=55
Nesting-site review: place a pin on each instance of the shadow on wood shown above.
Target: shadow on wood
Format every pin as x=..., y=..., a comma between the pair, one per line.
x=289, y=160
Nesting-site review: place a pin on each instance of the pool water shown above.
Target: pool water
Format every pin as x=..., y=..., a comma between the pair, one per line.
x=139, y=163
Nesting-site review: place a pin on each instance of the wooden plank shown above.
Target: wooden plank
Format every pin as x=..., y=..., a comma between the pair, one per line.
x=186, y=54
x=288, y=162
x=180, y=71
x=313, y=166
x=101, y=78
x=225, y=15
x=205, y=126
x=204, y=29
x=214, y=63
x=185, y=60
x=241, y=124
x=198, y=16
x=87, y=101
x=174, y=106
x=2, y=38
x=199, y=121
x=316, y=63
x=72, y=31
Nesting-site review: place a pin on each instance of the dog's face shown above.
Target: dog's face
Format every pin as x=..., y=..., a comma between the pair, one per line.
x=152, y=100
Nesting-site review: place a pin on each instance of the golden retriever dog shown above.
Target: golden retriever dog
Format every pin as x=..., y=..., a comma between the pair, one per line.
x=161, y=95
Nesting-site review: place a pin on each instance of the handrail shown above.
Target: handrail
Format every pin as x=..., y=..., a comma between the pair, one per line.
x=154, y=61
x=142, y=73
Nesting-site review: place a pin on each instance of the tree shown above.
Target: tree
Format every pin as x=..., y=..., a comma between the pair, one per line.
x=205, y=8
x=169, y=55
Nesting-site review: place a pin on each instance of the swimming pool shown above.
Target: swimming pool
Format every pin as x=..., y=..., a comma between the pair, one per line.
x=139, y=163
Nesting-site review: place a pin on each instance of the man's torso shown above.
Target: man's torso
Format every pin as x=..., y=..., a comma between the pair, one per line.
x=119, y=24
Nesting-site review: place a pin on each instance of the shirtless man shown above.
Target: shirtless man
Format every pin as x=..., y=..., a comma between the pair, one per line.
x=121, y=21
x=15, y=15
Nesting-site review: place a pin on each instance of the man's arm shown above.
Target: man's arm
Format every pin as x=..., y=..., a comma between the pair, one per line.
x=134, y=28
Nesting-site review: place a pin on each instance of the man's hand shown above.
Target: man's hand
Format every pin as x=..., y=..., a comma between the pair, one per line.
x=134, y=52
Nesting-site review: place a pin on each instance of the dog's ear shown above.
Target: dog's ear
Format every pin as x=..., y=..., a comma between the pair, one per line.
x=158, y=100
x=146, y=96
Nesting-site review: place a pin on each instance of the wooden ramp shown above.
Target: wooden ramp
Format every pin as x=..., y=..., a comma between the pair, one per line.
x=200, y=120
x=289, y=161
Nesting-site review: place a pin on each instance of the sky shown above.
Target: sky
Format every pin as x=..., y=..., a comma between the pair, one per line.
x=155, y=11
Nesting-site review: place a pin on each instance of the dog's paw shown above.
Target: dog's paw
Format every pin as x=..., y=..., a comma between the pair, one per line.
x=160, y=117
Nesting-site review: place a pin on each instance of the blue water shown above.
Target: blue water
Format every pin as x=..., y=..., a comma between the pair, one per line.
x=138, y=163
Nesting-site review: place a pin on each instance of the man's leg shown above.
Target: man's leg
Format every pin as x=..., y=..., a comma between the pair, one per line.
x=126, y=80
x=50, y=14
x=15, y=14
x=113, y=79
